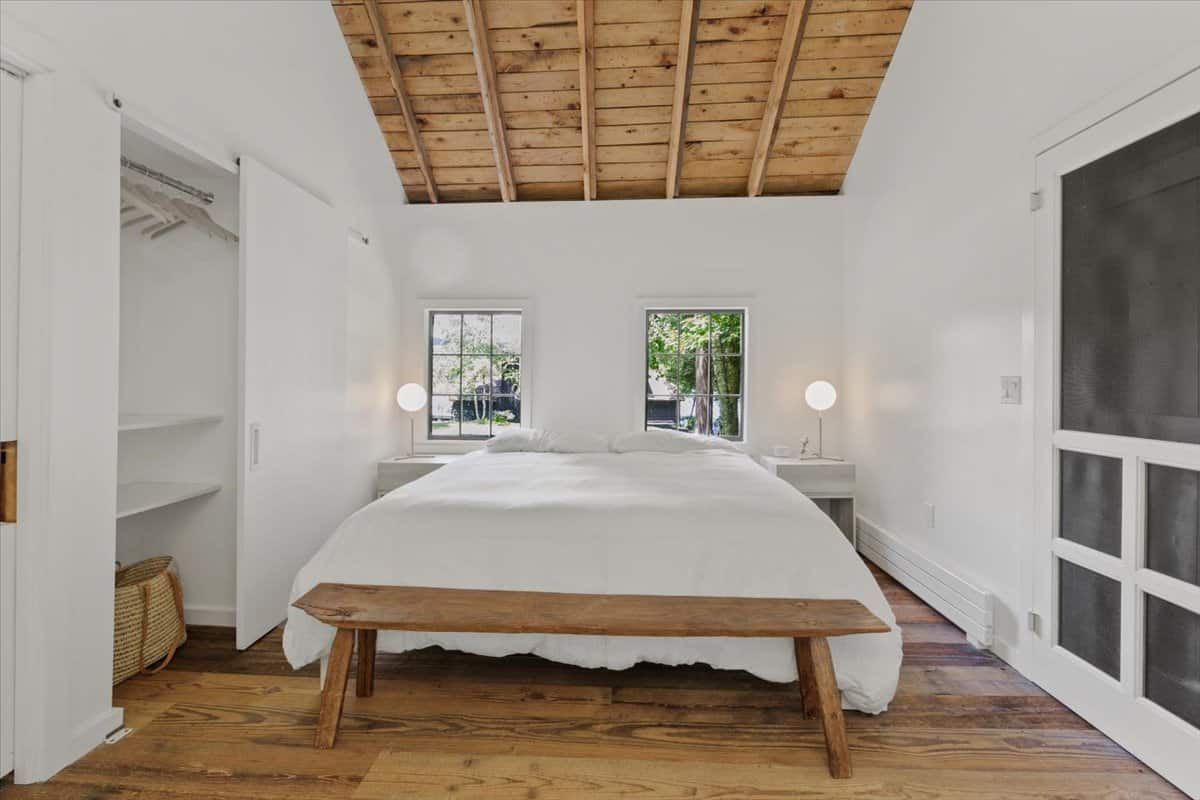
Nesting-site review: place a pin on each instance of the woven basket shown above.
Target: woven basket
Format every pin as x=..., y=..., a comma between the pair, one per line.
x=148, y=617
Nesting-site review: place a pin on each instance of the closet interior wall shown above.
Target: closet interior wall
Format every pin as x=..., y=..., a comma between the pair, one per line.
x=179, y=340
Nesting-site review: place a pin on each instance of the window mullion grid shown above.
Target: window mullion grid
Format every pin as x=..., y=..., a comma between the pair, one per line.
x=462, y=338
x=491, y=378
x=679, y=358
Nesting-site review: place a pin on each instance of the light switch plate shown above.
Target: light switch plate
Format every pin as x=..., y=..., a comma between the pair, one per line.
x=1010, y=389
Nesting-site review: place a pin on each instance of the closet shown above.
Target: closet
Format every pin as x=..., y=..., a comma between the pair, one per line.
x=178, y=371
x=232, y=378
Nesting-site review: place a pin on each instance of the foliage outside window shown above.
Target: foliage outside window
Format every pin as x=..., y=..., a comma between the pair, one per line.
x=475, y=373
x=694, y=371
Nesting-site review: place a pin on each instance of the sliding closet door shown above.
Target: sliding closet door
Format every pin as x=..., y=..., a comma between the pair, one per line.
x=293, y=268
x=1117, y=568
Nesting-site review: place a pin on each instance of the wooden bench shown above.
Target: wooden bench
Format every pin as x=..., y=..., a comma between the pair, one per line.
x=369, y=609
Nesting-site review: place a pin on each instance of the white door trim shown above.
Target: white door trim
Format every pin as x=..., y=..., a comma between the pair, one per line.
x=1163, y=741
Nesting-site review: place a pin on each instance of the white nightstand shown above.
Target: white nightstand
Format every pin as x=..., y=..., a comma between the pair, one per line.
x=828, y=483
x=395, y=472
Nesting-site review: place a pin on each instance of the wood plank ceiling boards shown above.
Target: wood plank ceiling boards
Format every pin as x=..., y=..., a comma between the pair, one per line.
x=490, y=100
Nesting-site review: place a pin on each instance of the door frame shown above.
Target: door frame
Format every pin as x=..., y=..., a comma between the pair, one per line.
x=1163, y=741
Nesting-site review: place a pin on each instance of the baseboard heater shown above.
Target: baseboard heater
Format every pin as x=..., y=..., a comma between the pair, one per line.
x=961, y=602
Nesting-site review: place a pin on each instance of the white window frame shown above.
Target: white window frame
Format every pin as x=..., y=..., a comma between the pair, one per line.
x=647, y=304
x=423, y=312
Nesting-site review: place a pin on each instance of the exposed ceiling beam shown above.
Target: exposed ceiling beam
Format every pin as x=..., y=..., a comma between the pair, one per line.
x=689, y=20
x=384, y=43
x=585, y=11
x=485, y=68
x=781, y=79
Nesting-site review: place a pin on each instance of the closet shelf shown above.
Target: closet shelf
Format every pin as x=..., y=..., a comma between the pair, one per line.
x=145, y=422
x=134, y=498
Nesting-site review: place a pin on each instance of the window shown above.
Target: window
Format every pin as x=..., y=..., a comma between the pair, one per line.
x=695, y=371
x=475, y=373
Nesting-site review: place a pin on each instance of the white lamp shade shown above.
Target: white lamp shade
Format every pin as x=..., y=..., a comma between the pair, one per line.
x=411, y=397
x=820, y=395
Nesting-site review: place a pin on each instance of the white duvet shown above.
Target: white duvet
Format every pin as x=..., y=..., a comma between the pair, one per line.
x=708, y=523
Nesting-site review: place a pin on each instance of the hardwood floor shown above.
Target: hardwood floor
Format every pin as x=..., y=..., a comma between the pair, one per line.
x=222, y=724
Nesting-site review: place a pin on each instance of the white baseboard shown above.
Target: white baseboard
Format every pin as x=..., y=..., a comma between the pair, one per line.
x=960, y=601
x=219, y=616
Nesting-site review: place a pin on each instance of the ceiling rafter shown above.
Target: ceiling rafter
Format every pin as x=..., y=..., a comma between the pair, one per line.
x=618, y=97
x=781, y=81
x=384, y=43
x=689, y=21
x=586, y=20
x=485, y=68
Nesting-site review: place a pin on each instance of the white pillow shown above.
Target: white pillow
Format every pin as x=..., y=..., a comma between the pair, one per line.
x=576, y=442
x=663, y=441
x=517, y=440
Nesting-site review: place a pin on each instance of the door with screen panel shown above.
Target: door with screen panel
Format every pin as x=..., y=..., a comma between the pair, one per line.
x=1117, y=561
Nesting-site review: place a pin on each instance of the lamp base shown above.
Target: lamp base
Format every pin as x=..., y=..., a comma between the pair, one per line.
x=819, y=457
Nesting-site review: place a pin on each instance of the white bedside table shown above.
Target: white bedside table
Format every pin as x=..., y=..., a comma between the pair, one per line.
x=828, y=483
x=395, y=472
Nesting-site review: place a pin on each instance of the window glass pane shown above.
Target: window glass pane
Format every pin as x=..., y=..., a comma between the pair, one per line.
x=1090, y=501
x=445, y=334
x=727, y=375
x=662, y=333
x=443, y=417
x=446, y=372
x=477, y=333
x=506, y=333
x=674, y=375
x=693, y=333
x=1089, y=616
x=506, y=411
x=477, y=371
x=506, y=375
x=727, y=417
x=661, y=412
x=476, y=411
x=694, y=414
x=1173, y=522
x=692, y=356
x=727, y=333
x=1173, y=658
x=1130, y=320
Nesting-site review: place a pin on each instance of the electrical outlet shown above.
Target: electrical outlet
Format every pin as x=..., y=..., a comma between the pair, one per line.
x=1010, y=389
x=931, y=515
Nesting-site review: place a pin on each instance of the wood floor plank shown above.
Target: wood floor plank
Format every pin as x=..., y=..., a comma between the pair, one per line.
x=499, y=777
x=225, y=724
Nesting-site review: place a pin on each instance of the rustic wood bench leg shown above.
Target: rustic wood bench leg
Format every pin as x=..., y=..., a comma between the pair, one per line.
x=334, y=692
x=365, y=683
x=819, y=687
x=808, y=686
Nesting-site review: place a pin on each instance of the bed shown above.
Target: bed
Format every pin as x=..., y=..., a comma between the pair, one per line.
x=710, y=522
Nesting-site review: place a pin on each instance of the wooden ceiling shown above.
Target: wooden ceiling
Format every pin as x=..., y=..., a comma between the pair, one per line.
x=490, y=100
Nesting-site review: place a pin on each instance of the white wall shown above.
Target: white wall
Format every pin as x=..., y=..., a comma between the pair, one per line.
x=179, y=334
x=372, y=370
x=585, y=266
x=940, y=259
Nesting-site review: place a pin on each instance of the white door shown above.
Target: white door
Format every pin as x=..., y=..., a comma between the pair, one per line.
x=1117, y=557
x=10, y=219
x=293, y=319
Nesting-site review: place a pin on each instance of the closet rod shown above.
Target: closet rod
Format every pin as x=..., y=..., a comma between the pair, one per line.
x=167, y=180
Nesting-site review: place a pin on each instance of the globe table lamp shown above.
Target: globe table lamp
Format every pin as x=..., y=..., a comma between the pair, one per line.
x=820, y=396
x=411, y=399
